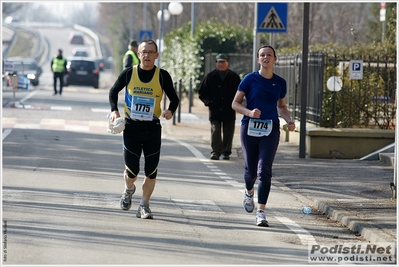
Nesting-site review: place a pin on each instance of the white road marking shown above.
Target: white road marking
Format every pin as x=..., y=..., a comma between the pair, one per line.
x=6, y=132
x=27, y=97
x=64, y=108
x=305, y=237
x=101, y=110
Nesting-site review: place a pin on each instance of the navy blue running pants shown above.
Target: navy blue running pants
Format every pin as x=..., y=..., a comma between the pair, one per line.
x=259, y=153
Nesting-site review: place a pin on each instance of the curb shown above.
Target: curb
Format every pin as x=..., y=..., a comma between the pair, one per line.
x=387, y=158
x=348, y=219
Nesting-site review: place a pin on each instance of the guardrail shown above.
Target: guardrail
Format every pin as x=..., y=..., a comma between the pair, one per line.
x=92, y=35
x=37, y=55
x=9, y=42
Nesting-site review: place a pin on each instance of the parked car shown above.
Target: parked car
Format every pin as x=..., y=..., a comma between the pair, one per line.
x=80, y=52
x=76, y=38
x=21, y=66
x=82, y=71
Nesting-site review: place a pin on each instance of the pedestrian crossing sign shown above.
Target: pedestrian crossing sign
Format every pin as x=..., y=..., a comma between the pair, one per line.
x=145, y=34
x=272, y=17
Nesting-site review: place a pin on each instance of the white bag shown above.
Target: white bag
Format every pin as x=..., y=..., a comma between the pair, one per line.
x=117, y=126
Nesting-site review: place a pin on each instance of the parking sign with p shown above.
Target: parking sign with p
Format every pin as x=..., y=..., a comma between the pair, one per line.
x=356, y=69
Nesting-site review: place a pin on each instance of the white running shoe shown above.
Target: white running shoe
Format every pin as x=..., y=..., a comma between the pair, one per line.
x=144, y=212
x=248, y=202
x=126, y=199
x=261, y=218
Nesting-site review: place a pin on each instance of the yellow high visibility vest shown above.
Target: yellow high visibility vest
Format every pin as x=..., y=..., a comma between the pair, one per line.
x=135, y=58
x=58, y=64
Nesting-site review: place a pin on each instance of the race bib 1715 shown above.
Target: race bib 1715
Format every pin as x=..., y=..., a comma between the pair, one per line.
x=142, y=108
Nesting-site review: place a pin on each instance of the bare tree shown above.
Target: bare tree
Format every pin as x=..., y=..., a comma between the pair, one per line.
x=331, y=22
x=20, y=11
x=10, y=9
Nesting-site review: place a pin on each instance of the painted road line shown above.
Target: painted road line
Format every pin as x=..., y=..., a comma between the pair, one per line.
x=6, y=132
x=304, y=236
x=63, y=108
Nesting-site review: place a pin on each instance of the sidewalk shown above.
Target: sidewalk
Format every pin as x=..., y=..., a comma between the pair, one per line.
x=355, y=193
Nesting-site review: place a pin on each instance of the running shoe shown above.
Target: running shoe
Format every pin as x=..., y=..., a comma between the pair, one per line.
x=248, y=202
x=126, y=199
x=144, y=212
x=261, y=219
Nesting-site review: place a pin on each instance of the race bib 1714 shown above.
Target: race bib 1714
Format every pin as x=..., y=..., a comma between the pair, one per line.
x=258, y=128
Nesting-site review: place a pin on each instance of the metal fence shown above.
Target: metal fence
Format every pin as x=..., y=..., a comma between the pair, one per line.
x=368, y=103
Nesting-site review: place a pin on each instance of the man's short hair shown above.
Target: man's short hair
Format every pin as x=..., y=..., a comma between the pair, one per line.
x=134, y=43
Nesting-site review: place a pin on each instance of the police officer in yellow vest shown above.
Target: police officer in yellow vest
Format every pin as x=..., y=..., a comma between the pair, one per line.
x=58, y=67
x=130, y=58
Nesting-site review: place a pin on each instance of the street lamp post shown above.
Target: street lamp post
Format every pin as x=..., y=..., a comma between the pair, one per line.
x=162, y=15
x=175, y=9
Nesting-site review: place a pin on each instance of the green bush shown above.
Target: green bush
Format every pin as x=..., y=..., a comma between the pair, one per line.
x=184, y=53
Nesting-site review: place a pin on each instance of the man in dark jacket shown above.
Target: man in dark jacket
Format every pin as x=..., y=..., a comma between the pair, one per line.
x=217, y=92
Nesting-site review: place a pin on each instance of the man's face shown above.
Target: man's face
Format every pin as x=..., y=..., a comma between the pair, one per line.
x=147, y=54
x=222, y=65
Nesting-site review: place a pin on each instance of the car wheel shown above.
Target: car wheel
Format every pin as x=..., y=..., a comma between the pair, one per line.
x=95, y=85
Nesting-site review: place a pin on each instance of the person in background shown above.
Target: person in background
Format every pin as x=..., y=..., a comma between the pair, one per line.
x=217, y=91
x=264, y=92
x=145, y=84
x=131, y=58
x=58, y=67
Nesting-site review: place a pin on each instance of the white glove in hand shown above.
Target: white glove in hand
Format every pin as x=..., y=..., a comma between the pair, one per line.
x=117, y=126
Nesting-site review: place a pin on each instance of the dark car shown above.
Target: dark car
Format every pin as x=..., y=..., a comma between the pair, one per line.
x=23, y=66
x=76, y=38
x=80, y=52
x=82, y=71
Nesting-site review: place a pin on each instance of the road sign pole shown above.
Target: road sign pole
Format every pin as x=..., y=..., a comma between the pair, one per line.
x=254, y=46
x=131, y=21
x=304, y=80
x=396, y=154
x=272, y=38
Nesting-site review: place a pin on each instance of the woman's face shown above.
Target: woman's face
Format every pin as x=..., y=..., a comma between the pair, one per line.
x=266, y=57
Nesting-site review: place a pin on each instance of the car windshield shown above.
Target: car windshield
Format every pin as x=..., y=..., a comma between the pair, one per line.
x=80, y=53
x=25, y=66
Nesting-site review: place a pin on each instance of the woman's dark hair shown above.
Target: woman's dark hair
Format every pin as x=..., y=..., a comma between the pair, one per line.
x=265, y=46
